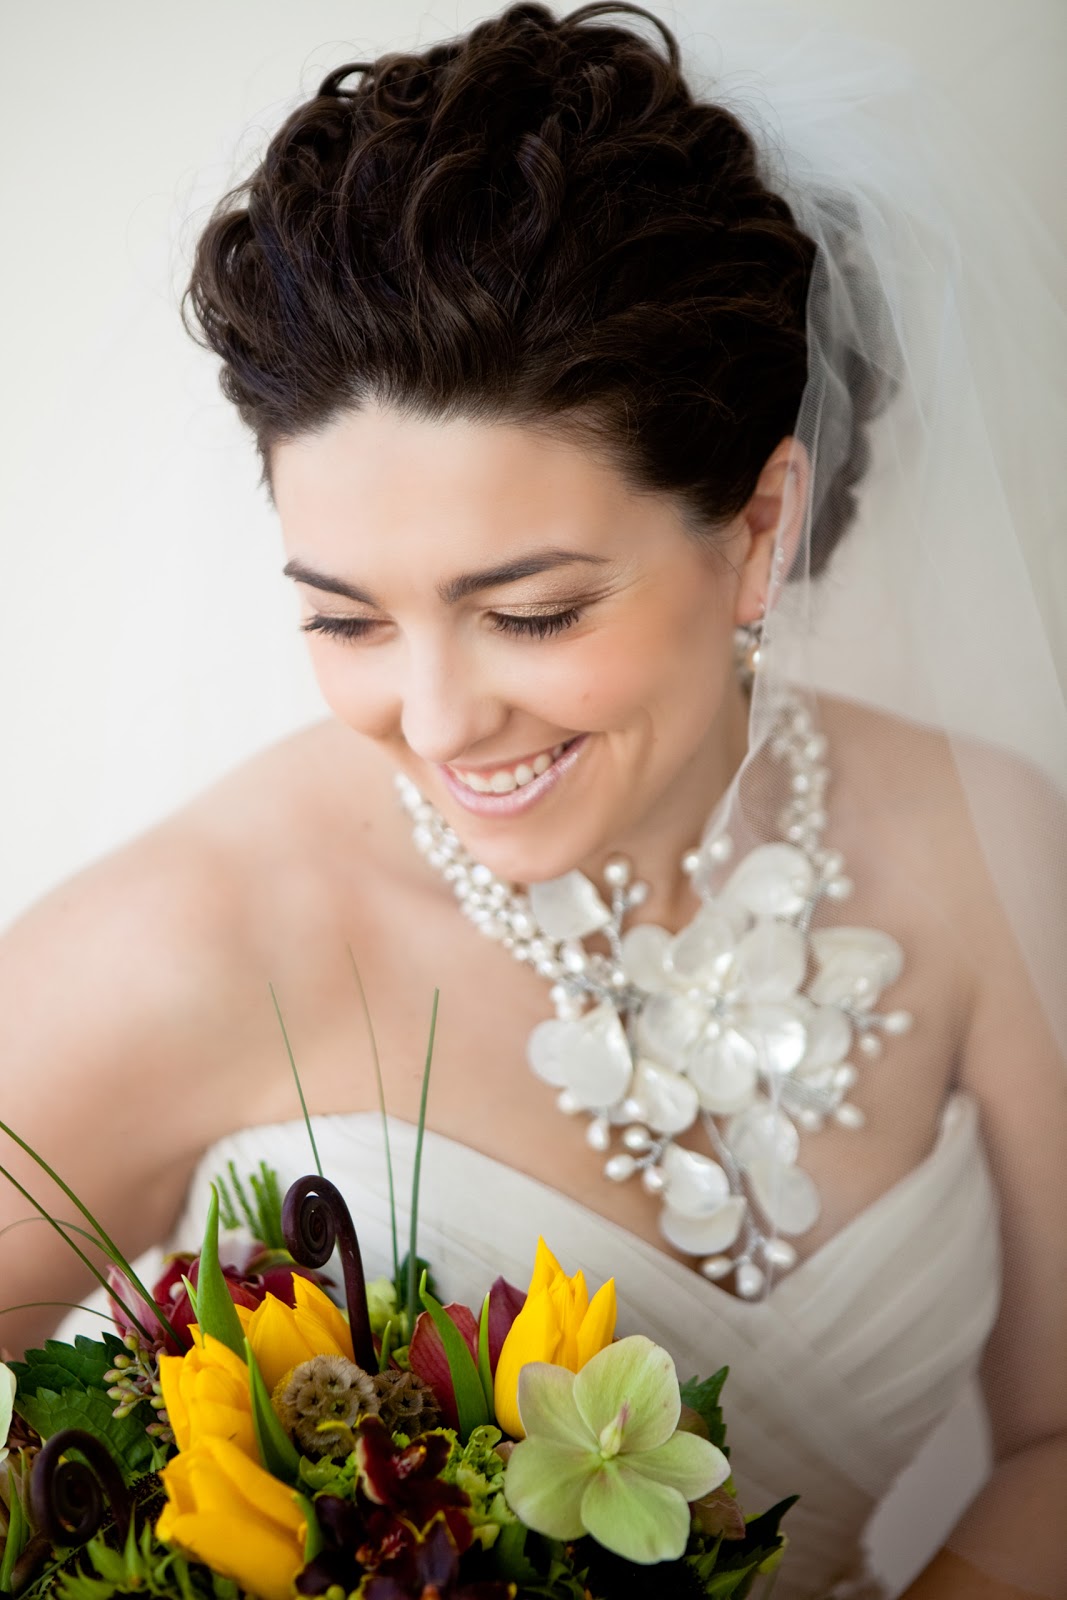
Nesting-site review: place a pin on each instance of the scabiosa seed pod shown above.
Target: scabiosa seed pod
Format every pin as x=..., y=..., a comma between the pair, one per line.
x=406, y=1404
x=321, y=1403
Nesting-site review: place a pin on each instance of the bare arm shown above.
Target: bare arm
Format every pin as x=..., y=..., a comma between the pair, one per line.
x=112, y=999
x=1010, y=1541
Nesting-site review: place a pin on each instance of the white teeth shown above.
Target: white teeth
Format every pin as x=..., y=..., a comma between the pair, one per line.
x=506, y=781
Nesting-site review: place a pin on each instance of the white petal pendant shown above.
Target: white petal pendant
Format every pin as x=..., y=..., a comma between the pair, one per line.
x=669, y=1026
x=772, y=959
x=644, y=956
x=829, y=1037
x=855, y=965
x=694, y=1185
x=724, y=1073
x=777, y=1034
x=568, y=907
x=663, y=1100
x=762, y=1131
x=590, y=1057
x=702, y=1236
x=704, y=949
x=786, y=1195
x=546, y=1050
x=774, y=880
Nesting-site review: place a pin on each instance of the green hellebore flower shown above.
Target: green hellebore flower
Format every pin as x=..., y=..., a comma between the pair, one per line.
x=7, y=1405
x=602, y=1455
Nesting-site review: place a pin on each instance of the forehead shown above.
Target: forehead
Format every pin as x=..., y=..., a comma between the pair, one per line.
x=379, y=469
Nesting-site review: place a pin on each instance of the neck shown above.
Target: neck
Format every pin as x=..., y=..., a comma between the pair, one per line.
x=657, y=844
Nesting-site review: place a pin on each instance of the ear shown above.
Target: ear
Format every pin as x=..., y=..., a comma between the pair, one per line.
x=773, y=520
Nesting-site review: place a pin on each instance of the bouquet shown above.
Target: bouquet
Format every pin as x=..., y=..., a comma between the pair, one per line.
x=238, y=1433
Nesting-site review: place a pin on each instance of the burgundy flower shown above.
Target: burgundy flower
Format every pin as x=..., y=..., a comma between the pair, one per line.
x=259, y=1273
x=429, y=1569
x=426, y=1353
x=405, y=1479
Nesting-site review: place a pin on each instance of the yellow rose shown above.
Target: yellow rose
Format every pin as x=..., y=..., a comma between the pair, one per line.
x=283, y=1336
x=225, y=1510
x=558, y=1324
x=206, y=1393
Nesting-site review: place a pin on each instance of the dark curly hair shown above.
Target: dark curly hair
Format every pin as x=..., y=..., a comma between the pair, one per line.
x=533, y=223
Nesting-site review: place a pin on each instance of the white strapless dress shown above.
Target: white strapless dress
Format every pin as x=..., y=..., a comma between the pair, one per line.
x=835, y=1379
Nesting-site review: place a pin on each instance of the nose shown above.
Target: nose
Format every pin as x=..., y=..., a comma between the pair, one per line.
x=448, y=706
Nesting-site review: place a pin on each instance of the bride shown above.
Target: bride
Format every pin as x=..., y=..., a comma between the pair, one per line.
x=580, y=398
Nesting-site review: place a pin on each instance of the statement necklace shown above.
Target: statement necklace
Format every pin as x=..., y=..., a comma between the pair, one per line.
x=747, y=1015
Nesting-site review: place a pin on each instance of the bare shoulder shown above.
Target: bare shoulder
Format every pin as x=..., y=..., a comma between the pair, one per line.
x=156, y=959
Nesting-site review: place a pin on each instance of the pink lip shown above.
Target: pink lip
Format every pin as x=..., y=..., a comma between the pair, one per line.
x=509, y=805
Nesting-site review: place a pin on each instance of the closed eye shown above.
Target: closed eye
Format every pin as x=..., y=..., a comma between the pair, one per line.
x=535, y=627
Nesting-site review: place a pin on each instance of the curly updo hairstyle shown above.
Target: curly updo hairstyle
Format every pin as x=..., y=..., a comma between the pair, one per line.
x=533, y=223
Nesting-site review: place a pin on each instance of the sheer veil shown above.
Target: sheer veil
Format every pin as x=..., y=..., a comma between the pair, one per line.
x=946, y=602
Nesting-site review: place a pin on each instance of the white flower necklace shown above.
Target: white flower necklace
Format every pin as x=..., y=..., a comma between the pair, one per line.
x=746, y=1015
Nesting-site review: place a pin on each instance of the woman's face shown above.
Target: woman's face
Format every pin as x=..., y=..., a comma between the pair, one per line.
x=546, y=653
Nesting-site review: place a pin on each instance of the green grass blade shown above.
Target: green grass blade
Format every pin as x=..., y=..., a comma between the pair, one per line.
x=97, y=1274
x=66, y=1305
x=381, y=1107
x=416, y=1174
x=296, y=1079
x=107, y=1244
x=18, y=1535
x=485, y=1371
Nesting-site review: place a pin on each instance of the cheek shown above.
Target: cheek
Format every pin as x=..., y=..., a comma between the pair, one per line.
x=354, y=686
x=666, y=660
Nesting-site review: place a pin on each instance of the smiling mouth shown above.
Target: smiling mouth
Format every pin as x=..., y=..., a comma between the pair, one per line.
x=506, y=779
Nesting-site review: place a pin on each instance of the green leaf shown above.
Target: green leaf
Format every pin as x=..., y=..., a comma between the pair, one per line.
x=703, y=1398
x=91, y=1409
x=216, y=1312
x=18, y=1534
x=60, y=1366
x=313, y=1540
x=386, y=1349
x=485, y=1371
x=466, y=1384
x=276, y=1450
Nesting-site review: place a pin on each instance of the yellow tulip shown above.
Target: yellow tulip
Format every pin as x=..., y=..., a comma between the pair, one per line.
x=206, y=1392
x=225, y=1510
x=283, y=1336
x=559, y=1324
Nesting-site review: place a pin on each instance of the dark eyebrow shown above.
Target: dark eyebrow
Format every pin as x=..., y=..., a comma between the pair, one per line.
x=457, y=588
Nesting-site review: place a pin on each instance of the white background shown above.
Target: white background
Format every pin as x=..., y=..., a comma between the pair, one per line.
x=121, y=122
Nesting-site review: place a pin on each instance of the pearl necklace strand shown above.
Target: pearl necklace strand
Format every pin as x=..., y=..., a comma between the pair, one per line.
x=721, y=1020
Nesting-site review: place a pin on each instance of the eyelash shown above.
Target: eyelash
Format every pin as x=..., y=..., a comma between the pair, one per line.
x=524, y=627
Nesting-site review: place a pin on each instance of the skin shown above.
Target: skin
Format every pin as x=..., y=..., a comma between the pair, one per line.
x=161, y=954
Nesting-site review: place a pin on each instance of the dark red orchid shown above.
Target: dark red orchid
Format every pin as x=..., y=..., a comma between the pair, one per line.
x=426, y=1353
x=260, y=1272
x=405, y=1480
x=429, y=1569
